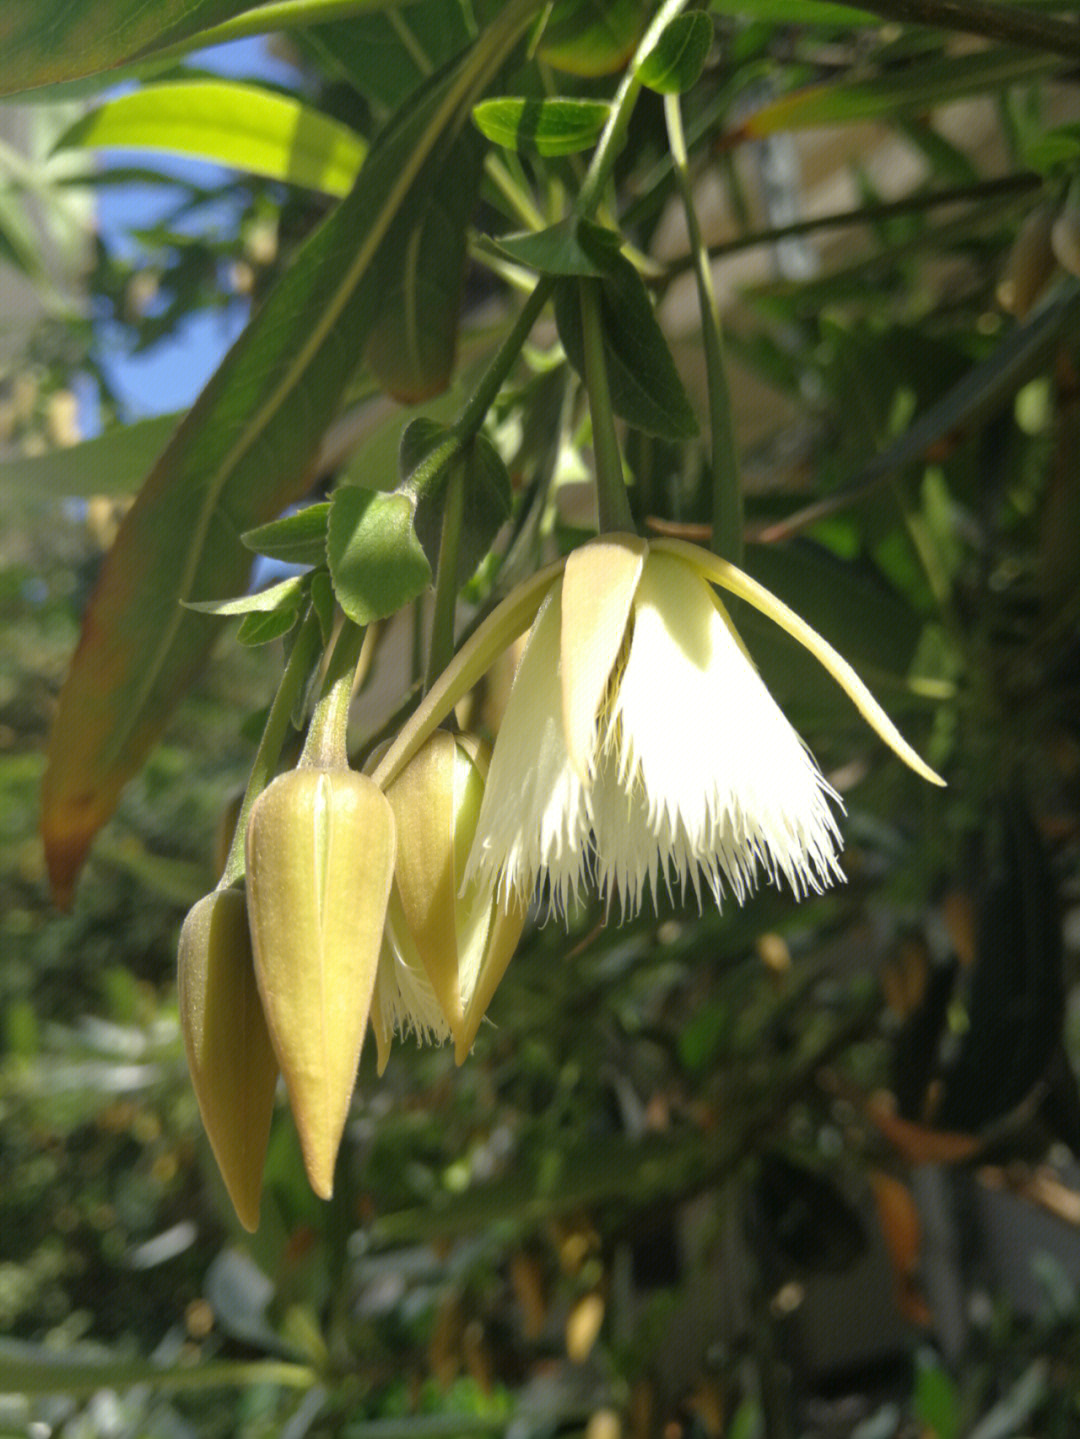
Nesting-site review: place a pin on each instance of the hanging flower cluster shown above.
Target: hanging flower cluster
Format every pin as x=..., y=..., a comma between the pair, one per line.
x=640, y=751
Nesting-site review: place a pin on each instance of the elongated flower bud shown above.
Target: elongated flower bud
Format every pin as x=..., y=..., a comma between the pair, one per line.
x=320, y=859
x=1030, y=263
x=228, y=1047
x=448, y=945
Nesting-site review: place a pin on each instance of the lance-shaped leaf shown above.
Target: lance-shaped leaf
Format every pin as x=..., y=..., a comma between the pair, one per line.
x=932, y=82
x=113, y=463
x=245, y=126
x=45, y=41
x=42, y=41
x=413, y=342
x=242, y=454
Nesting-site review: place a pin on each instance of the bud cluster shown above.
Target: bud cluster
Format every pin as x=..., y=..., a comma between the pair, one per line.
x=352, y=910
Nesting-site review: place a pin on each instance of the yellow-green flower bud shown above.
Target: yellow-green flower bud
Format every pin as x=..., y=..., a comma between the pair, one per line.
x=228, y=1047
x=1030, y=263
x=320, y=859
x=447, y=944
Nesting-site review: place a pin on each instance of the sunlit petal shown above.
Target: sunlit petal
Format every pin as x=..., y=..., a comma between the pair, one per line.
x=722, y=573
x=534, y=821
x=597, y=593
x=712, y=775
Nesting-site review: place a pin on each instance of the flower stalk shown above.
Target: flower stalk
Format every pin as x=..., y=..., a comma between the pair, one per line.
x=727, y=500
x=613, y=507
x=278, y=721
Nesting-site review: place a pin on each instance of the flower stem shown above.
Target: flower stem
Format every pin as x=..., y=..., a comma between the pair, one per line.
x=441, y=645
x=622, y=107
x=612, y=504
x=325, y=746
x=483, y=397
x=264, y=765
x=727, y=501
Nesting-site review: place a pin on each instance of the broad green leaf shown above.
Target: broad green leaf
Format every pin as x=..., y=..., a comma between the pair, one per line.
x=114, y=463
x=243, y=454
x=244, y=126
x=488, y=504
x=550, y=127
x=592, y=37
x=260, y=629
x=388, y=56
x=558, y=250
x=376, y=561
x=287, y=594
x=646, y=390
x=676, y=60
x=427, y=447
x=413, y=343
x=298, y=539
x=1056, y=149
x=42, y=41
x=933, y=82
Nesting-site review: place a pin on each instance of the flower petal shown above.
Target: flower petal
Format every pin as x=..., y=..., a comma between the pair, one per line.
x=501, y=939
x=712, y=775
x=404, y=998
x=597, y=593
x=534, y=821
x=722, y=573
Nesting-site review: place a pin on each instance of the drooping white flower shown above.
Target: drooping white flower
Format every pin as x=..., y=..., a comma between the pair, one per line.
x=640, y=748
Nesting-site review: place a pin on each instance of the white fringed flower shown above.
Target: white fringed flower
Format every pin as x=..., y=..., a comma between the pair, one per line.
x=640, y=746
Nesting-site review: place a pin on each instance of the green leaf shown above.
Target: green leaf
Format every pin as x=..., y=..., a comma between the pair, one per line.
x=298, y=539
x=42, y=41
x=558, y=250
x=426, y=450
x=30, y=1369
x=489, y=501
x=550, y=127
x=114, y=463
x=646, y=390
x=413, y=342
x=592, y=37
x=797, y=12
x=285, y=595
x=239, y=458
x=323, y=602
x=388, y=56
x=932, y=82
x=244, y=126
x=676, y=61
x=936, y=1401
x=377, y=563
x=260, y=629
x=1058, y=148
